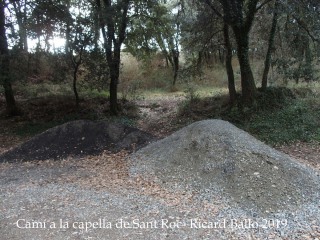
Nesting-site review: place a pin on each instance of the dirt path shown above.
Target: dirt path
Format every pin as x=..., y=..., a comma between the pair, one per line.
x=158, y=114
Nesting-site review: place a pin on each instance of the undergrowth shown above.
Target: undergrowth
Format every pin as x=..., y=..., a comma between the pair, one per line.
x=43, y=113
x=295, y=120
x=279, y=116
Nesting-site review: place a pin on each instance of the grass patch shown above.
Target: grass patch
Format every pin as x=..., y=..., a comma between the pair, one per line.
x=94, y=93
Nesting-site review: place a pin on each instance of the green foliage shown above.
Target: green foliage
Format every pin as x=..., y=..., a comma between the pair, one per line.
x=155, y=28
x=47, y=112
x=297, y=120
x=274, y=97
x=294, y=69
x=97, y=71
x=95, y=93
x=34, y=68
x=279, y=115
x=191, y=93
x=18, y=67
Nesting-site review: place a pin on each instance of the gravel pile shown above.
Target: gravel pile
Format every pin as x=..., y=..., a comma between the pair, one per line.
x=182, y=187
x=215, y=158
x=78, y=138
x=214, y=155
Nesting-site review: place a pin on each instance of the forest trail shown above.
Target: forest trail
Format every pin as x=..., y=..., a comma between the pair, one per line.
x=157, y=115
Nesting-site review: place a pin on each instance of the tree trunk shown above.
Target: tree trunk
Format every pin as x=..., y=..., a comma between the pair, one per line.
x=240, y=15
x=270, y=46
x=114, y=78
x=75, y=74
x=114, y=66
x=175, y=56
x=308, y=70
x=68, y=40
x=229, y=69
x=25, y=35
x=5, y=65
x=199, y=61
x=113, y=95
x=247, y=80
x=21, y=17
x=25, y=38
x=114, y=34
x=68, y=32
x=23, y=28
x=167, y=61
x=221, y=56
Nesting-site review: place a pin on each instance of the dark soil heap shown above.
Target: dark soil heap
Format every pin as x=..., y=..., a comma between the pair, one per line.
x=78, y=138
x=214, y=156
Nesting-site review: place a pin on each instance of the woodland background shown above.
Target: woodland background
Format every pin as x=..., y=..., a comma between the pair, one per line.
x=254, y=63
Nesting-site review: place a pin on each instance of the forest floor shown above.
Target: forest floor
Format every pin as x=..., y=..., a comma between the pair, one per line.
x=158, y=115
x=88, y=188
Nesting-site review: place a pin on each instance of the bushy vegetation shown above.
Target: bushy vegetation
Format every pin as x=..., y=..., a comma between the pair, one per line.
x=280, y=115
x=296, y=120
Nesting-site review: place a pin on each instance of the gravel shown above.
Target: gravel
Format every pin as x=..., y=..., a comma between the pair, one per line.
x=215, y=155
x=107, y=188
x=78, y=138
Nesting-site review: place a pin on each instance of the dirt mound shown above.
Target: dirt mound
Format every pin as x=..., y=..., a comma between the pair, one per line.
x=214, y=155
x=78, y=138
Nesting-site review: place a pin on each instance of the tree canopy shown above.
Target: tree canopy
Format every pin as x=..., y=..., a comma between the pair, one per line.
x=283, y=33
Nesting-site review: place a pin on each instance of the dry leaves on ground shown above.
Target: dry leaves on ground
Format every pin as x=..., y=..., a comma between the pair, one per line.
x=307, y=153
